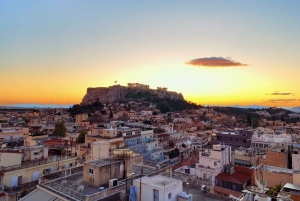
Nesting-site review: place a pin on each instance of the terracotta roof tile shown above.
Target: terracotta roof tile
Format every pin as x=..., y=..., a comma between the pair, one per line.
x=235, y=177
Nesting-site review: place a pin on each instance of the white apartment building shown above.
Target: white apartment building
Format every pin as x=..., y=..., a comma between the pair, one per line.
x=146, y=112
x=158, y=188
x=263, y=141
x=211, y=163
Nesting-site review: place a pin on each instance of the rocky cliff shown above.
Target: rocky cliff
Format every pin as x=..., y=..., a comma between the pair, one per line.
x=119, y=93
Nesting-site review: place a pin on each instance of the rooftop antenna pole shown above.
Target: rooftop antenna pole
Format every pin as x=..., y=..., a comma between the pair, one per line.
x=141, y=182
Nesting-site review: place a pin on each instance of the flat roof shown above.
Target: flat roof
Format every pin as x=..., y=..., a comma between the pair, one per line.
x=103, y=162
x=160, y=182
x=277, y=169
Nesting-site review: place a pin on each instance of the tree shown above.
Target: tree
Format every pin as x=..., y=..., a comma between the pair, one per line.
x=249, y=122
x=169, y=120
x=81, y=137
x=111, y=114
x=255, y=123
x=158, y=130
x=60, y=129
x=163, y=106
x=147, y=122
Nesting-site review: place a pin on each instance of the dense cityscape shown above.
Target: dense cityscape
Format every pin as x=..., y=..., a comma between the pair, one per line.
x=140, y=146
x=149, y=100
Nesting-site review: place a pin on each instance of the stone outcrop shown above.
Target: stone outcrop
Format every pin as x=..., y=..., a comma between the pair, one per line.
x=118, y=93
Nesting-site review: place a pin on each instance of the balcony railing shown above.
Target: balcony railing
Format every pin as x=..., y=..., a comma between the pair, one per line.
x=20, y=187
x=35, y=163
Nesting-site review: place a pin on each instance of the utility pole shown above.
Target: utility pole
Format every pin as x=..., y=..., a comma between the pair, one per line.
x=141, y=182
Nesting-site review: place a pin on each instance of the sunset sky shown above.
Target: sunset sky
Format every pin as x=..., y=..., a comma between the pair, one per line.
x=213, y=52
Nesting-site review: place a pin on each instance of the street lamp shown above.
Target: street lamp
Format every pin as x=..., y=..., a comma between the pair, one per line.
x=187, y=184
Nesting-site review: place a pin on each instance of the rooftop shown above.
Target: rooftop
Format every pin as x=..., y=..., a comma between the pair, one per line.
x=160, y=182
x=269, y=168
x=103, y=162
x=235, y=177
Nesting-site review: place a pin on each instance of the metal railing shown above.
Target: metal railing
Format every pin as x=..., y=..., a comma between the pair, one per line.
x=21, y=187
x=36, y=163
x=63, y=189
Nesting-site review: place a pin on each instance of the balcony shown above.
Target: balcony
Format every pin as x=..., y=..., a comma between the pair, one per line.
x=36, y=163
x=21, y=187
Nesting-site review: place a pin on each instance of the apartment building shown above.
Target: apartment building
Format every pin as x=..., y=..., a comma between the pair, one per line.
x=211, y=163
x=81, y=117
x=21, y=168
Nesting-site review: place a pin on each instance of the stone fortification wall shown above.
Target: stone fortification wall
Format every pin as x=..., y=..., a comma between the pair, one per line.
x=118, y=93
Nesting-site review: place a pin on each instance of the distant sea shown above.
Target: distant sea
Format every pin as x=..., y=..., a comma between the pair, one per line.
x=37, y=106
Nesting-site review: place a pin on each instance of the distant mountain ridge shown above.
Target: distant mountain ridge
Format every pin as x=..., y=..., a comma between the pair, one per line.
x=259, y=107
x=295, y=109
x=250, y=106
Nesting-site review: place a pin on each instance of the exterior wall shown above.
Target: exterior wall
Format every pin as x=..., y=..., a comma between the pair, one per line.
x=81, y=117
x=235, y=141
x=109, y=133
x=148, y=193
x=100, y=150
x=277, y=159
x=10, y=159
x=103, y=174
x=296, y=178
x=296, y=161
x=274, y=178
x=27, y=173
x=14, y=133
x=242, y=157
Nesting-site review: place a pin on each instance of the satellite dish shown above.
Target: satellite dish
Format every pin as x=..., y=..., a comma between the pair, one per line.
x=80, y=189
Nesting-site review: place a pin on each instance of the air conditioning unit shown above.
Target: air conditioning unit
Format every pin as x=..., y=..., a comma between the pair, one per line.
x=113, y=182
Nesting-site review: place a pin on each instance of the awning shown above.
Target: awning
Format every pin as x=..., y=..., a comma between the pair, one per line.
x=248, y=163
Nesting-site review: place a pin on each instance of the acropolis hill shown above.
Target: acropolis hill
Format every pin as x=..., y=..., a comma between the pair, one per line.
x=118, y=93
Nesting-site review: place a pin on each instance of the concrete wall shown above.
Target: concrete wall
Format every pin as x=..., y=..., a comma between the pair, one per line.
x=296, y=161
x=10, y=159
x=277, y=159
x=274, y=178
x=296, y=178
x=102, y=174
x=100, y=150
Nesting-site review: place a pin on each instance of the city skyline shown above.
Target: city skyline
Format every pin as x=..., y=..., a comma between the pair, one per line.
x=214, y=53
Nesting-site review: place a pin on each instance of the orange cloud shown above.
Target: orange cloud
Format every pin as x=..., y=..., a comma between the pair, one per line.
x=215, y=62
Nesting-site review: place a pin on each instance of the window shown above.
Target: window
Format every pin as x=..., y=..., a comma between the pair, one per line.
x=91, y=171
x=215, y=163
x=244, y=140
x=155, y=195
x=169, y=195
x=233, y=186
